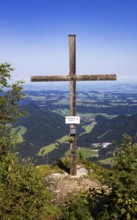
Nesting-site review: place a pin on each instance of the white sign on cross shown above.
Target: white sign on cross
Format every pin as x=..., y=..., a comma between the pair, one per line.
x=72, y=120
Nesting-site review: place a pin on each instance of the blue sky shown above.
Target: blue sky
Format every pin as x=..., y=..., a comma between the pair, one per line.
x=34, y=37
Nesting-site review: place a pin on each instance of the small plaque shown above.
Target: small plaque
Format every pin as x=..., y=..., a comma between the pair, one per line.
x=72, y=120
x=73, y=131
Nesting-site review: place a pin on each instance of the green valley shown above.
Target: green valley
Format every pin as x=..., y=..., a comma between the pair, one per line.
x=106, y=114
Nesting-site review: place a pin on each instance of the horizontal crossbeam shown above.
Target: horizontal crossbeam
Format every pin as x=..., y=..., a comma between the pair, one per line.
x=73, y=78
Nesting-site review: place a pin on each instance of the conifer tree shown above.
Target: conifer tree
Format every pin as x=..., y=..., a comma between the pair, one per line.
x=22, y=191
x=124, y=179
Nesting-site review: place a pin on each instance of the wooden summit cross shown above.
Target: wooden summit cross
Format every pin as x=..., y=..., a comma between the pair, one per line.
x=72, y=77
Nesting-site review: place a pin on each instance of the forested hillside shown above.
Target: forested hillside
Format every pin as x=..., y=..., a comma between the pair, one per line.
x=43, y=128
x=109, y=130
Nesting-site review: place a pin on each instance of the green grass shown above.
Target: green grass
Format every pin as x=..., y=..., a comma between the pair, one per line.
x=88, y=128
x=48, y=169
x=20, y=131
x=44, y=170
x=37, y=98
x=64, y=112
x=63, y=101
x=107, y=161
x=63, y=139
x=46, y=149
x=85, y=152
x=85, y=115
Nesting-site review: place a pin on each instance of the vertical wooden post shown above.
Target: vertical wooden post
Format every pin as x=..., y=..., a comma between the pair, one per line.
x=72, y=78
x=72, y=66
